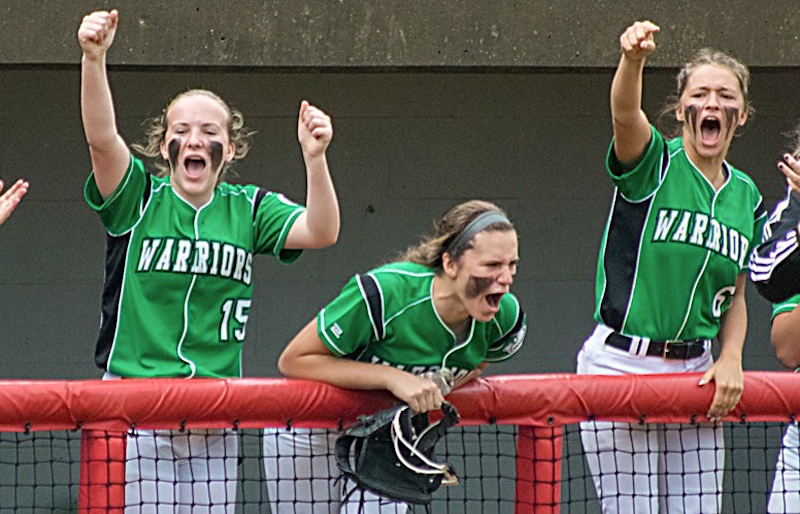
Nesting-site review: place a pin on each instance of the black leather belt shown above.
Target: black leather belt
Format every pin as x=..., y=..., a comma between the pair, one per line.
x=674, y=350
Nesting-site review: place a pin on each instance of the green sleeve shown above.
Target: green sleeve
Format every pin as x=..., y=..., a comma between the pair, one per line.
x=120, y=211
x=785, y=306
x=639, y=182
x=512, y=324
x=344, y=325
x=273, y=220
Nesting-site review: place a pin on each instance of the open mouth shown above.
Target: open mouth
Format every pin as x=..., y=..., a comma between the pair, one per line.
x=194, y=166
x=494, y=299
x=710, y=130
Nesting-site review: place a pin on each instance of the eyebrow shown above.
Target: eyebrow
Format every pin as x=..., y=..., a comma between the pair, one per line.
x=202, y=125
x=718, y=88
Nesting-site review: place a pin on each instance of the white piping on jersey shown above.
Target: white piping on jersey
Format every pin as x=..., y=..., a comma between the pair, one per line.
x=252, y=200
x=142, y=206
x=289, y=221
x=404, y=272
x=286, y=228
x=662, y=179
x=412, y=304
x=511, y=327
x=661, y=166
x=121, y=187
x=142, y=209
x=182, y=357
x=693, y=295
x=700, y=273
x=325, y=334
x=191, y=364
x=751, y=185
x=371, y=314
x=456, y=345
x=517, y=314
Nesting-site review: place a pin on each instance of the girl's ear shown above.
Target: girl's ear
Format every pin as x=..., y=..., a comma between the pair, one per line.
x=743, y=117
x=449, y=265
x=679, y=113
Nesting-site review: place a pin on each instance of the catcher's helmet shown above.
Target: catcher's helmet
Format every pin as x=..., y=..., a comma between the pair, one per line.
x=391, y=453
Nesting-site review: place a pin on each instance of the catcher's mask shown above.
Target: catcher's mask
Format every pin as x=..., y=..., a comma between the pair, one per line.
x=393, y=455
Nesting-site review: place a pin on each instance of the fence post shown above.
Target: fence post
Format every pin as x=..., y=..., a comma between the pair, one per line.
x=539, y=452
x=102, y=473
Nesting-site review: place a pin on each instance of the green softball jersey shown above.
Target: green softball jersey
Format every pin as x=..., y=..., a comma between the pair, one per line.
x=387, y=317
x=178, y=279
x=673, y=246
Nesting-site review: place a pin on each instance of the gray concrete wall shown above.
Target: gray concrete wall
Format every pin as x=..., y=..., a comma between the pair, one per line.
x=432, y=102
x=357, y=33
x=407, y=146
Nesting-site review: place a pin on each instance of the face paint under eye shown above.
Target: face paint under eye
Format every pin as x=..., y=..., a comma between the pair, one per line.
x=731, y=116
x=690, y=114
x=477, y=285
x=173, y=148
x=216, y=155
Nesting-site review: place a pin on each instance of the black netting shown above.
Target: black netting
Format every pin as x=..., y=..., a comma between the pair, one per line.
x=502, y=469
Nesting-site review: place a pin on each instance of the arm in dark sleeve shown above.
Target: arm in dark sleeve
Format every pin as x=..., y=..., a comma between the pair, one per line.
x=775, y=264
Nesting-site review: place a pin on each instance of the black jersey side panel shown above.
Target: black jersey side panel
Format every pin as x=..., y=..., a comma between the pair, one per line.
x=260, y=194
x=116, y=254
x=620, y=260
x=116, y=250
x=775, y=265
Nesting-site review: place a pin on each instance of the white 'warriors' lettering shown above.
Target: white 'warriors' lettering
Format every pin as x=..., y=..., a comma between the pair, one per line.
x=200, y=257
x=196, y=257
x=420, y=369
x=181, y=264
x=215, y=261
x=743, y=255
x=165, y=261
x=248, y=266
x=664, y=223
x=724, y=239
x=734, y=235
x=227, y=261
x=714, y=235
x=238, y=269
x=683, y=228
x=700, y=229
x=149, y=248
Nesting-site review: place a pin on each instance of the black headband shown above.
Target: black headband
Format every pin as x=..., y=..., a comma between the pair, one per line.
x=477, y=225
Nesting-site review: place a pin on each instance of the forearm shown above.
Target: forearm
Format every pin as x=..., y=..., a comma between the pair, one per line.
x=108, y=151
x=321, y=202
x=733, y=330
x=337, y=371
x=97, y=109
x=630, y=124
x=626, y=92
x=318, y=227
